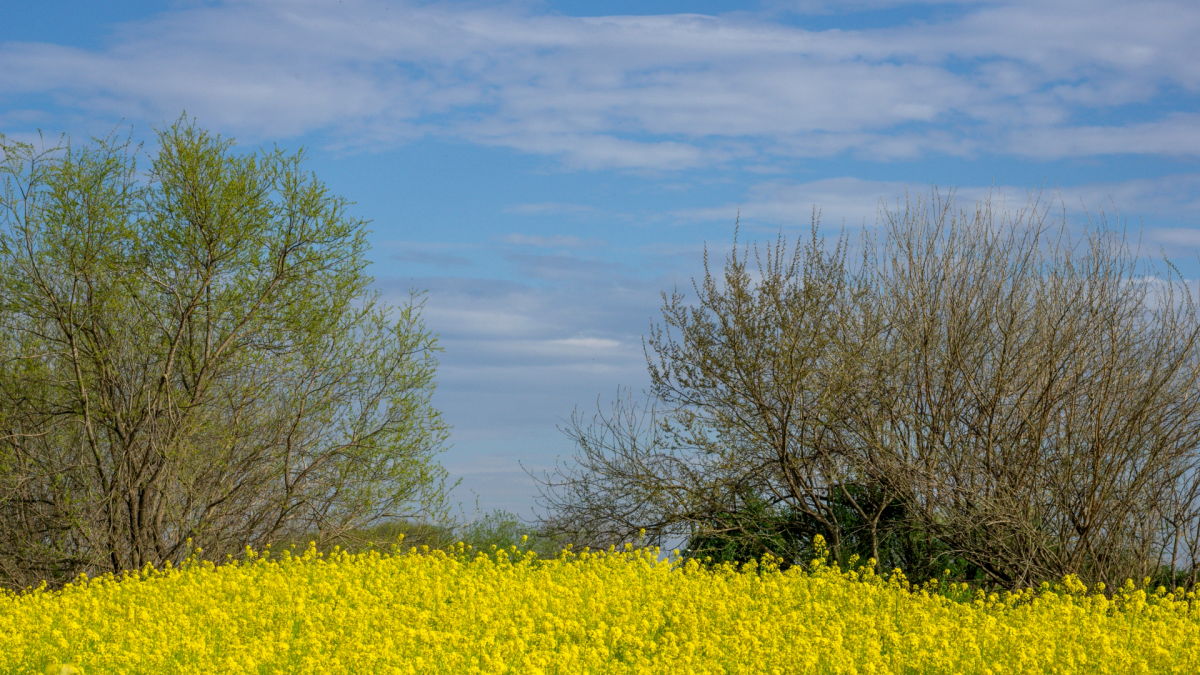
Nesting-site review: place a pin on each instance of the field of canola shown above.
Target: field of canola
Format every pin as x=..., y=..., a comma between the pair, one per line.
x=457, y=611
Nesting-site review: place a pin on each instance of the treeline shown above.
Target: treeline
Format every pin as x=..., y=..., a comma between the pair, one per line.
x=498, y=529
x=191, y=357
x=972, y=390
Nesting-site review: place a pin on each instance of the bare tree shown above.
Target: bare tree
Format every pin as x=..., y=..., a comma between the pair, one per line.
x=979, y=384
x=1038, y=405
x=748, y=386
x=193, y=358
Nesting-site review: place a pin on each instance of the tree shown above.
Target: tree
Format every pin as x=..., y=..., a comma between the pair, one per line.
x=191, y=357
x=978, y=390
x=740, y=442
x=1037, y=403
x=503, y=529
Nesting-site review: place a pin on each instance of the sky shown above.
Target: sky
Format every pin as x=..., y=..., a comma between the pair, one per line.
x=544, y=170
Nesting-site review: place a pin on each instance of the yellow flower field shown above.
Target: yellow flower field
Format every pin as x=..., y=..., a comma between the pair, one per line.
x=455, y=611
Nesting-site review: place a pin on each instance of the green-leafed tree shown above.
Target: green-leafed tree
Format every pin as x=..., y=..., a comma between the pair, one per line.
x=191, y=356
x=503, y=529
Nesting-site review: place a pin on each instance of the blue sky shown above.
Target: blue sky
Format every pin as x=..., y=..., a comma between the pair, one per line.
x=545, y=169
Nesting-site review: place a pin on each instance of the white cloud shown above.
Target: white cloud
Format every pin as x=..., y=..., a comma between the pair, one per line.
x=1173, y=197
x=662, y=93
x=1177, y=134
x=831, y=6
x=853, y=201
x=497, y=321
x=518, y=359
x=1176, y=236
x=1109, y=40
x=587, y=343
x=592, y=151
x=849, y=201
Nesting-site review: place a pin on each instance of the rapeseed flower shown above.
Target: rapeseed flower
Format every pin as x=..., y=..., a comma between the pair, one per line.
x=628, y=610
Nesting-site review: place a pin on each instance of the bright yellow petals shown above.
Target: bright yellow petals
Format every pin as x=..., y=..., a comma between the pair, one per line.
x=460, y=611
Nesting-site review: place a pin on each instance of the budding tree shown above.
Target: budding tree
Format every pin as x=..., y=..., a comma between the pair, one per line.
x=191, y=356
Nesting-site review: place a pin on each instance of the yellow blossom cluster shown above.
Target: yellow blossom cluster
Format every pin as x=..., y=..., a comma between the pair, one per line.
x=462, y=611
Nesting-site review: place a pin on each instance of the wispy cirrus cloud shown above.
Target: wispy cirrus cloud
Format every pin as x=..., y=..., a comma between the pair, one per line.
x=665, y=93
x=855, y=202
x=519, y=358
x=1177, y=236
x=1177, y=134
x=660, y=130
x=846, y=200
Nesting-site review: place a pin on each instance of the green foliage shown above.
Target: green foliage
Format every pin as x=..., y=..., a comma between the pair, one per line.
x=190, y=354
x=503, y=529
x=380, y=537
x=750, y=531
x=498, y=529
x=755, y=528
